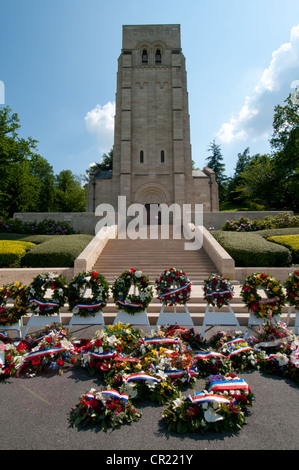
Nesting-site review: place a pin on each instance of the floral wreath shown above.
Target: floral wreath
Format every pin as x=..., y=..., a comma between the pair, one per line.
x=173, y=287
x=104, y=408
x=132, y=303
x=273, y=289
x=37, y=293
x=18, y=293
x=87, y=306
x=218, y=290
x=292, y=288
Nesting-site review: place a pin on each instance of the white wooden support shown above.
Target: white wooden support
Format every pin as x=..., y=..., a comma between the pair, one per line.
x=15, y=326
x=96, y=319
x=139, y=318
x=254, y=321
x=175, y=318
x=41, y=320
x=296, y=331
x=213, y=318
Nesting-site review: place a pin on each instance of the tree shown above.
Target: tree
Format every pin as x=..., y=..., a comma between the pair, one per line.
x=285, y=142
x=214, y=161
x=243, y=161
x=69, y=195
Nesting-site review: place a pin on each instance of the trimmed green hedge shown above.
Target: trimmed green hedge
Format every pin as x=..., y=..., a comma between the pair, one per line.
x=55, y=251
x=289, y=241
x=12, y=252
x=249, y=249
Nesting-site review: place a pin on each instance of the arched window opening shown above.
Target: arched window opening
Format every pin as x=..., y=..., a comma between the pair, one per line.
x=141, y=156
x=162, y=156
x=144, y=57
x=158, y=57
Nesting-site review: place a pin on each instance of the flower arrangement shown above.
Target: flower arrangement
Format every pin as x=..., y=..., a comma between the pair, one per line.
x=37, y=293
x=126, y=334
x=50, y=351
x=132, y=302
x=173, y=287
x=218, y=291
x=104, y=408
x=203, y=412
x=187, y=336
x=241, y=355
x=270, y=336
x=177, y=365
x=156, y=387
x=263, y=308
x=292, y=288
x=84, y=306
x=211, y=362
x=232, y=387
x=17, y=293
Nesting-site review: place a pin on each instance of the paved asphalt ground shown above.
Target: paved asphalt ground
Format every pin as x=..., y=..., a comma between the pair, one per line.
x=34, y=416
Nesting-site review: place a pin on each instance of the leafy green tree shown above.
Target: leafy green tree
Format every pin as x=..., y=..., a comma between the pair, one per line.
x=215, y=162
x=69, y=194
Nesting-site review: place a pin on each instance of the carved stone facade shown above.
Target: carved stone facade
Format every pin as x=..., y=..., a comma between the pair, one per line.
x=152, y=161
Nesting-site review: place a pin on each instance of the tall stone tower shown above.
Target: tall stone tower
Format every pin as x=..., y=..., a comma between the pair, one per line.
x=152, y=161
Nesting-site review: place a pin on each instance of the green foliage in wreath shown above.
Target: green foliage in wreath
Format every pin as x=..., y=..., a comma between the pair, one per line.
x=292, y=288
x=38, y=289
x=82, y=305
x=17, y=293
x=218, y=291
x=136, y=301
x=275, y=298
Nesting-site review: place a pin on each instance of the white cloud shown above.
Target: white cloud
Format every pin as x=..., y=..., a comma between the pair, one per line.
x=100, y=121
x=255, y=118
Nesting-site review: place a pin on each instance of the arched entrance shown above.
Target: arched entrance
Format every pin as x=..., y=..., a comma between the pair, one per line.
x=151, y=195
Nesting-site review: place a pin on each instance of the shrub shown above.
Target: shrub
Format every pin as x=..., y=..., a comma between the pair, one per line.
x=45, y=227
x=244, y=224
x=252, y=250
x=56, y=251
x=12, y=252
x=289, y=241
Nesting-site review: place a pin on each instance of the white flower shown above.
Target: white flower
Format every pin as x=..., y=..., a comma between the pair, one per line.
x=138, y=273
x=282, y=359
x=211, y=416
x=178, y=402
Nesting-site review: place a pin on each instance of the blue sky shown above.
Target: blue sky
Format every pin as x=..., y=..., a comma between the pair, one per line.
x=58, y=64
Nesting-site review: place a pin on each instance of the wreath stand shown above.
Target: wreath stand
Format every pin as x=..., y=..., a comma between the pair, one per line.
x=14, y=326
x=213, y=318
x=96, y=319
x=254, y=321
x=40, y=320
x=140, y=318
x=171, y=318
x=296, y=330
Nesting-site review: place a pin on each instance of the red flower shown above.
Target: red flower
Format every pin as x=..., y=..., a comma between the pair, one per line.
x=263, y=276
x=60, y=361
x=94, y=274
x=35, y=361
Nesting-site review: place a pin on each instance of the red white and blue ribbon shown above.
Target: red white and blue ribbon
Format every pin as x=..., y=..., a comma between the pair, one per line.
x=207, y=397
x=125, y=303
x=219, y=292
x=88, y=306
x=40, y=353
x=207, y=355
x=177, y=374
x=174, y=291
x=42, y=303
x=239, y=351
x=115, y=394
x=141, y=376
x=103, y=355
x=238, y=384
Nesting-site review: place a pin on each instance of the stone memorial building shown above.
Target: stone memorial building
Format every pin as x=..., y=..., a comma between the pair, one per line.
x=152, y=162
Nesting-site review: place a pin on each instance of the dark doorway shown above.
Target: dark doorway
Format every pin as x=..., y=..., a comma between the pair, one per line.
x=153, y=214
